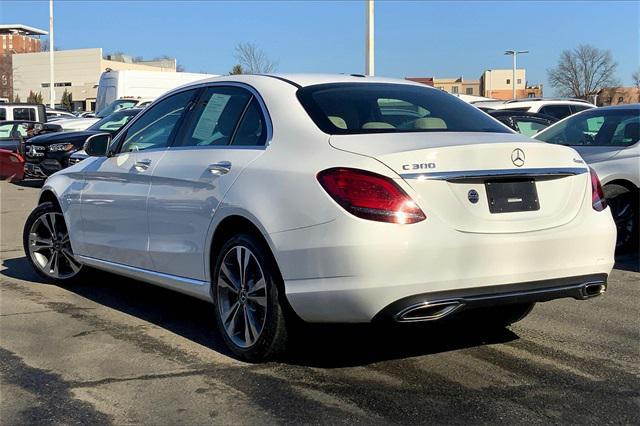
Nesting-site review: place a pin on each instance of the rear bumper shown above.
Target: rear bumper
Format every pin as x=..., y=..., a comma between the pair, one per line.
x=436, y=306
x=351, y=270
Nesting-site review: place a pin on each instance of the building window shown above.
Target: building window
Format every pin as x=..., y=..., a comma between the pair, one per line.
x=519, y=81
x=469, y=90
x=620, y=100
x=441, y=88
x=508, y=81
x=65, y=84
x=531, y=95
x=454, y=90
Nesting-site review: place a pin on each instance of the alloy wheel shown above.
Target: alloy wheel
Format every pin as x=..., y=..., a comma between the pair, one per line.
x=50, y=248
x=242, y=296
x=624, y=218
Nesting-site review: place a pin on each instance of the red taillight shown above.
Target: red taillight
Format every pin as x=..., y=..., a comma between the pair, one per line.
x=598, y=201
x=370, y=196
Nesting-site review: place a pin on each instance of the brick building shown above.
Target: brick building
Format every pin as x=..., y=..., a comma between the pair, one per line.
x=618, y=95
x=15, y=38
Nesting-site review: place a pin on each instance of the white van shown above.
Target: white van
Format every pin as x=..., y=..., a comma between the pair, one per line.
x=140, y=85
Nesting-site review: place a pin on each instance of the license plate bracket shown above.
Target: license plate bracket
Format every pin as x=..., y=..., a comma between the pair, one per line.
x=508, y=196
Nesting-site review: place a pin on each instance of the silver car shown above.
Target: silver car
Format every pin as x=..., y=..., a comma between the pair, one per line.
x=607, y=139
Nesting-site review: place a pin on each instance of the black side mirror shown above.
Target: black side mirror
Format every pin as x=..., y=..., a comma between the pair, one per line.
x=96, y=145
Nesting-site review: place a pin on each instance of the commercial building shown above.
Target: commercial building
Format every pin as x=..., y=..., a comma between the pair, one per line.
x=618, y=95
x=16, y=38
x=498, y=84
x=77, y=71
x=424, y=80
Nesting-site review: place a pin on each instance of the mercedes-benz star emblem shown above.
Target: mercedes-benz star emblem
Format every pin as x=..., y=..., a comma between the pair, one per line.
x=517, y=157
x=473, y=196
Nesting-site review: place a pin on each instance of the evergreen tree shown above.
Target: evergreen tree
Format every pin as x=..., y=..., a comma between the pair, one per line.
x=66, y=100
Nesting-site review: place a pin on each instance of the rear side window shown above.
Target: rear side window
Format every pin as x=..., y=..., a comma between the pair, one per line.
x=596, y=127
x=557, y=111
x=252, y=130
x=3, y=114
x=530, y=126
x=357, y=108
x=578, y=108
x=24, y=114
x=216, y=116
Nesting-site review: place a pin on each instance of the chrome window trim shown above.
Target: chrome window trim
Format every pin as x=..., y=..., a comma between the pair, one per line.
x=499, y=173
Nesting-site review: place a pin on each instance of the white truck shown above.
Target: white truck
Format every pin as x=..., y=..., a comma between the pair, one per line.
x=139, y=86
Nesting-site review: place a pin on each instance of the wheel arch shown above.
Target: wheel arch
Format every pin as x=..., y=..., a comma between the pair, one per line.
x=624, y=183
x=235, y=223
x=48, y=195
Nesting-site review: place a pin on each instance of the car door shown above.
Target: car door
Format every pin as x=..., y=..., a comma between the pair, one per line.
x=114, y=198
x=226, y=131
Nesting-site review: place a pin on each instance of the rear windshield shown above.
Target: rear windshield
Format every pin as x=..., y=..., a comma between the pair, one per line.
x=348, y=108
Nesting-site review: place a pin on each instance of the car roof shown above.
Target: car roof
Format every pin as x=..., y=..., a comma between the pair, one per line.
x=621, y=106
x=303, y=80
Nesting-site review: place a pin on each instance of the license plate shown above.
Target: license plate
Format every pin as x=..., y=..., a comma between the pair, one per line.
x=512, y=196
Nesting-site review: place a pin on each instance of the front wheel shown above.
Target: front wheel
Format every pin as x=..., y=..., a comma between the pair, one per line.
x=248, y=309
x=47, y=246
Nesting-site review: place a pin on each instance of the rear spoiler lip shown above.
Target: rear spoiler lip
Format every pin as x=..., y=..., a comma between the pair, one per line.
x=473, y=175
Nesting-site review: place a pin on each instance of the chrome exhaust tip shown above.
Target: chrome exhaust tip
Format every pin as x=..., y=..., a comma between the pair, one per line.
x=428, y=311
x=590, y=290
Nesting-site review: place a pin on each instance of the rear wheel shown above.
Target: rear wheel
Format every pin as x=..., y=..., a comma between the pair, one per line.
x=624, y=209
x=47, y=246
x=245, y=289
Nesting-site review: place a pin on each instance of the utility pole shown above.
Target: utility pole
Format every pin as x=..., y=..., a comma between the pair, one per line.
x=514, y=53
x=369, y=40
x=52, y=91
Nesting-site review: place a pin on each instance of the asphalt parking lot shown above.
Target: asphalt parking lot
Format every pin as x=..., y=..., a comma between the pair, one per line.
x=113, y=350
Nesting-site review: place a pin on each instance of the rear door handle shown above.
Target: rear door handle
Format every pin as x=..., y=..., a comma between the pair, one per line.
x=142, y=165
x=221, y=168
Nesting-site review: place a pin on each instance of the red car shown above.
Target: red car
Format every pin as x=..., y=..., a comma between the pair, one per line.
x=11, y=165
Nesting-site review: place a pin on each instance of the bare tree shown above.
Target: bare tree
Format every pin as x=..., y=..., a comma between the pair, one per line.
x=583, y=72
x=253, y=60
x=636, y=81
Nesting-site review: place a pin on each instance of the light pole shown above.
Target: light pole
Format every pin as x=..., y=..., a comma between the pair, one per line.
x=514, y=53
x=52, y=91
x=369, y=41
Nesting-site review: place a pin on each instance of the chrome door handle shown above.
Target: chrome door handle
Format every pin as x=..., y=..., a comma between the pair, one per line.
x=221, y=168
x=142, y=165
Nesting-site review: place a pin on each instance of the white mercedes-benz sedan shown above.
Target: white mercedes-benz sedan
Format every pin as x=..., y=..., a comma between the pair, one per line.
x=328, y=199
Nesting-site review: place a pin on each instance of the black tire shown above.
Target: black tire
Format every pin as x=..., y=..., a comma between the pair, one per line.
x=499, y=316
x=61, y=247
x=272, y=340
x=624, y=209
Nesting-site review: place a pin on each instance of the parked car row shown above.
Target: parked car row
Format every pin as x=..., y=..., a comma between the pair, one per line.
x=328, y=198
x=47, y=154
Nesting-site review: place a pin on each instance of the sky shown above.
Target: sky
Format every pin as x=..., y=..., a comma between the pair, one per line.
x=412, y=38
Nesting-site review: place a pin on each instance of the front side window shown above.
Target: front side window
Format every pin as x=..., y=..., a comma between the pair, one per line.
x=357, y=108
x=3, y=114
x=216, y=116
x=156, y=126
x=595, y=128
x=24, y=114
